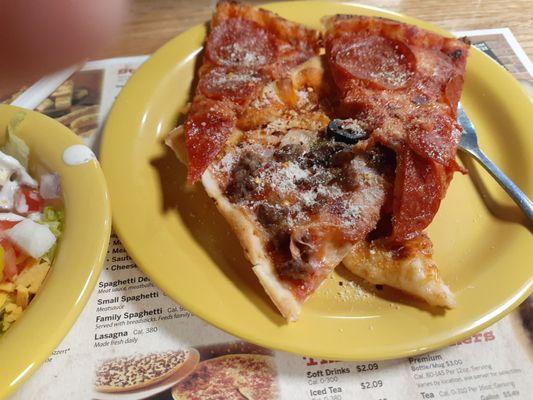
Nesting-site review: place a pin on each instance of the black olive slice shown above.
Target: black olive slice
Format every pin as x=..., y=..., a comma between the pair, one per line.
x=346, y=131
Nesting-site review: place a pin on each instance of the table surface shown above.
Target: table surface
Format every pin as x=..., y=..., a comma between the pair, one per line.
x=151, y=23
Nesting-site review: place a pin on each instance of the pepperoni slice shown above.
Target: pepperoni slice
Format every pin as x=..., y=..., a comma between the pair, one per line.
x=419, y=187
x=289, y=56
x=237, y=86
x=434, y=135
x=452, y=92
x=383, y=62
x=206, y=132
x=239, y=43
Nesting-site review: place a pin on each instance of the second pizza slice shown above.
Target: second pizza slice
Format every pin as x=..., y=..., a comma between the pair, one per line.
x=400, y=85
x=297, y=198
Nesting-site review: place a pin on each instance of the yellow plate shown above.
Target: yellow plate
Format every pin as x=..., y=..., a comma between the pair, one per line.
x=177, y=237
x=79, y=258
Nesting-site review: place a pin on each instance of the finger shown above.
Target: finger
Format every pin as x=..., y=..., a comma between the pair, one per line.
x=41, y=36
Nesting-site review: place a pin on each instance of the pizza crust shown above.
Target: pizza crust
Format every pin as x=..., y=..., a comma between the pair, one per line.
x=175, y=139
x=414, y=273
x=253, y=244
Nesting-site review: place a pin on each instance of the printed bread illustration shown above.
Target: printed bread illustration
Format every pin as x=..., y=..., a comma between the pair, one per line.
x=124, y=374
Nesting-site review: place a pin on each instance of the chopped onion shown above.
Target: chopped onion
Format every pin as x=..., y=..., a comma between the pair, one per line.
x=21, y=206
x=33, y=238
x=50, y=187
x=298, y=240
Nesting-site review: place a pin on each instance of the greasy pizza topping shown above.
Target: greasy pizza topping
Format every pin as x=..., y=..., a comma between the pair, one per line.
x=233, y=377
x=383, y=160
x=138, y=369
x=244, y=179
x=240, y=43
x=302, y=192
x=288, y=152
x=308, y=193
x=429, y=135
x=271, y=216
x=207, y=131
x=403, y=84
x=244, y=50
x=377, y=60
x=237, y=86
x=419, y=195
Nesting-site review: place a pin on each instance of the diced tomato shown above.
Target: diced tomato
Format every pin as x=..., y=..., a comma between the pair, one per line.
x=5, y=225
x=26, y=262
x=10, y=259
x=31, y=198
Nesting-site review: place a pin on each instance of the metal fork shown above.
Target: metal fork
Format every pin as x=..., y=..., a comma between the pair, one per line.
x=468, y=144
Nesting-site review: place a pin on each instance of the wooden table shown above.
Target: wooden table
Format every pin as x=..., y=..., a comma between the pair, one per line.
x=153, y=22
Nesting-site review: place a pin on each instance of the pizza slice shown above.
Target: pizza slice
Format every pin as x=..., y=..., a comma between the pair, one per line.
x=297, y=198
x=400, y=85
x=246, y=48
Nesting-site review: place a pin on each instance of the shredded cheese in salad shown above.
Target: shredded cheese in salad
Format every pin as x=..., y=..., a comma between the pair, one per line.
x=30, y=225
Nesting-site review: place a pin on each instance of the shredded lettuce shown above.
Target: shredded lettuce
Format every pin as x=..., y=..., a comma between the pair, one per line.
x=54, y=220
x=15, y=146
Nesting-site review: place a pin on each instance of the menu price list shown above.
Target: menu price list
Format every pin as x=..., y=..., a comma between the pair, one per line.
x=458, y=378
x=327, y=382
x=338, y=380
x=479, y=367
x=128, y=306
